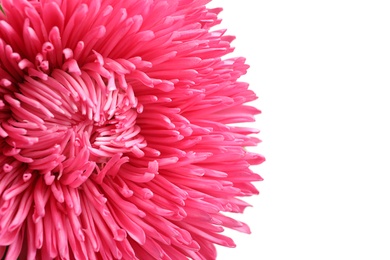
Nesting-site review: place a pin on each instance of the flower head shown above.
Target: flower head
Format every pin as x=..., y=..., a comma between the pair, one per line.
x=118, y=130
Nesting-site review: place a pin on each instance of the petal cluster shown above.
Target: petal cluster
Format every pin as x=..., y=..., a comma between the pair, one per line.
x=119, y=133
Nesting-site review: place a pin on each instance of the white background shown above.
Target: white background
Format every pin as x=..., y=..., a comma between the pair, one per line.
x=321, y=70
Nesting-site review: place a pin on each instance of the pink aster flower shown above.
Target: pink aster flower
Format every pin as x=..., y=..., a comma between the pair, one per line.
x=118, y=130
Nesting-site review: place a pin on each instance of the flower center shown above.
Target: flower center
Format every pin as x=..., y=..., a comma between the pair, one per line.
x=69, y=126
